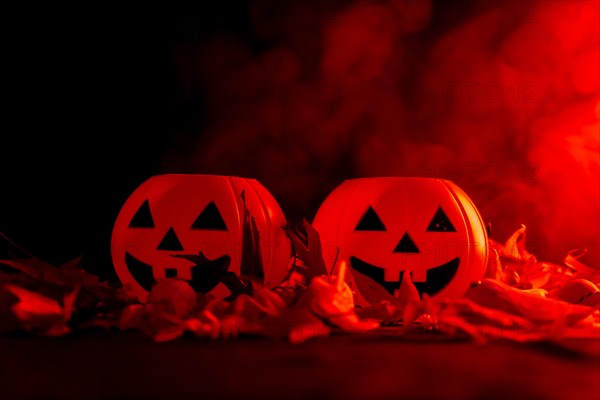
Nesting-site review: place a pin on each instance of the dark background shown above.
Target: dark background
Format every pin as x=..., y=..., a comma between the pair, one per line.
x=88, y=109
x=94, y=104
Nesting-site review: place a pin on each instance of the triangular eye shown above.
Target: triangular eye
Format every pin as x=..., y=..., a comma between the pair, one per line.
x=370, y=221
x=210, y=218
x=143, y=217
x=440, y=222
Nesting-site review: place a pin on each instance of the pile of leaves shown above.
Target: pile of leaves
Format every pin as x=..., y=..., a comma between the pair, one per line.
x=520, y=299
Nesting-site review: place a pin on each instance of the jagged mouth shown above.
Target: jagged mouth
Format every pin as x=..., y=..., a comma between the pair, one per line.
x=204, y=279
x=437, y=277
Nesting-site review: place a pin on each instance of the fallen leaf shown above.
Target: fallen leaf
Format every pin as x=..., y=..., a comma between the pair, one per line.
x=251, y=266
x=176, y=295
x=306, y=243
x=37, y=313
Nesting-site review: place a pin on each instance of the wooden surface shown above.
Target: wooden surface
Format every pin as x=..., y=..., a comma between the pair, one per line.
x=380, y=366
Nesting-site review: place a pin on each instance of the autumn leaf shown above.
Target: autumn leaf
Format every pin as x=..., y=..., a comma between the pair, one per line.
x=326, y=303
x=514, y=247
x=407, y=293
x=540, y=310
x=47, y=300
x=372, y=291
x=131, y=317
x=176, y=295
x=251, y=266
x=572, y=260
x=37, y=313
x=306, y=243
x=70, y=274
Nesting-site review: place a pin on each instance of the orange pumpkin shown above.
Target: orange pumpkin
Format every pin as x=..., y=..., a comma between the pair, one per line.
x=177, y=214
x=388, y=227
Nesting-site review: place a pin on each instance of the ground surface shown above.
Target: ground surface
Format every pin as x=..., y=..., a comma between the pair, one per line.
x=129, y=365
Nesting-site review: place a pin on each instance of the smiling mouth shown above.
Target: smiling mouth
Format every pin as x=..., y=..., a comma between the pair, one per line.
x=437, y=278
x=204, y=277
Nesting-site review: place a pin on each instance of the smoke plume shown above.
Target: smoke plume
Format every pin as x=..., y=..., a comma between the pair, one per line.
x=502, y=97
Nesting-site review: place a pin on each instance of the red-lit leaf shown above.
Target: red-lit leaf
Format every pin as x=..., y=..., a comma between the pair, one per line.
x=307, y=246
x=69, y=303
x=160, y=323
x=499, y=296
x=514, y=247
x=580, y=269
x=176, y=295
x=577, y=291
x=251, y=263
x=68, y=275
x=73, y=273
x=37, y=313
x=131, y=317
x=407, y=293
x=327, y=301
x=373, y=292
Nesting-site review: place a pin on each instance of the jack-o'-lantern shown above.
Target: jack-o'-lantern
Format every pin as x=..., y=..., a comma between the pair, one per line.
x=174, y=215
x=388, y=227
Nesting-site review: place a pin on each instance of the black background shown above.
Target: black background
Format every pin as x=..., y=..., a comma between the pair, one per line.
x=91, y=97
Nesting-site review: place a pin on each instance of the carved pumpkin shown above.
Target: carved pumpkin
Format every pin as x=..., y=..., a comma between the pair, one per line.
x=172, y=215
x=388, y=227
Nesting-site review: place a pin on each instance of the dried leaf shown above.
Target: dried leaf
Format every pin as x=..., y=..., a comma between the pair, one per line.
x=132, y=317
x=580, y=269
x=251, y=266
x=46, y=273
x=329, y=299
x=458, y=326
x=407, y=293
x=372, y=291
x=69, y=303
x=73, y=273
x=168, y=334
x=303, y=332
x=34, y=268
x=291, y=288
x=577, y=291
x=309, y=303
x=37, y=313
x=176, y=295
x=514, y=247
x=160, y=323
x=469, y=312
x=306, y=243
x=540, y=310
x=263, y=302
x=203, y=328
x=515, y=266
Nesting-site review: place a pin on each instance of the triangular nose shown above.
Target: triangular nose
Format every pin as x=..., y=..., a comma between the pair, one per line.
x=170, y=242
x=406, y=245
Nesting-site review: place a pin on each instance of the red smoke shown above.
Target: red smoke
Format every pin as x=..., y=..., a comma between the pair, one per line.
x=502, y=97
